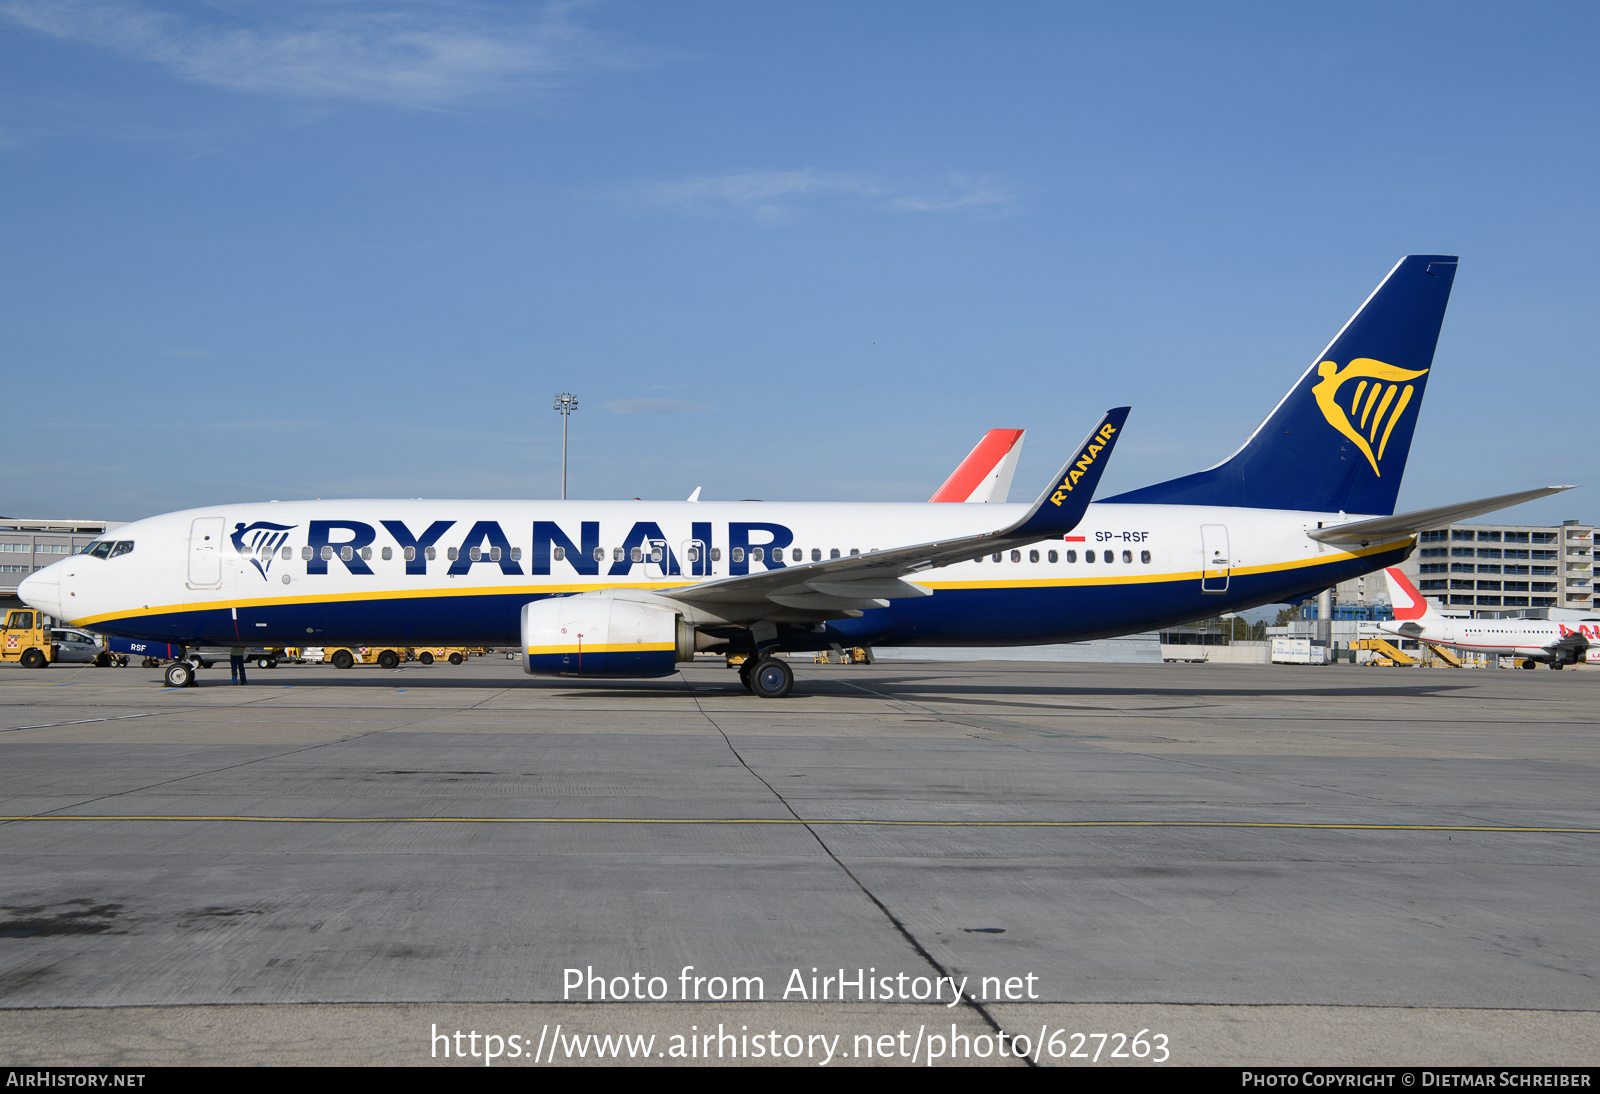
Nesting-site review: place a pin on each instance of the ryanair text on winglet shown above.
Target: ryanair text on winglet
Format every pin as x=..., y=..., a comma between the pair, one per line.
x=1081, y=465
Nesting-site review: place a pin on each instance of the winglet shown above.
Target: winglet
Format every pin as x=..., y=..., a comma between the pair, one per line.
x=1066, y=499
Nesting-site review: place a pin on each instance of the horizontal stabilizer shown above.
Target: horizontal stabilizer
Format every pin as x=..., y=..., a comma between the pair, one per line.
x=1403, y=524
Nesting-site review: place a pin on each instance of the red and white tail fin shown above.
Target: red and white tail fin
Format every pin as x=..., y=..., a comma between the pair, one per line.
x=985, y=475
x=1407, y=601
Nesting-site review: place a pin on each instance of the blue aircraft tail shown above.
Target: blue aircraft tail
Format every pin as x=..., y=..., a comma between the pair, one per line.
x=1338, y=441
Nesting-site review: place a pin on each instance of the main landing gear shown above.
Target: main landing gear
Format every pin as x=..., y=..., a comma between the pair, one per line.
x=768, y=678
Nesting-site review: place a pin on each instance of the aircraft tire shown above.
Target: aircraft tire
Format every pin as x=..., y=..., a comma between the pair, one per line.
x=179, y=674
x=1557, y=665
x=425, y=657
x=1530, y=664
x=388, y=659
x=772, y=678
x=33, y=659
x=455, y=659
x=745, y=669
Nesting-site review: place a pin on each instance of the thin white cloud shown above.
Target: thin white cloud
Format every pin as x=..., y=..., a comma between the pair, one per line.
x=406, y=54
x=653, y=406
x=779, y=196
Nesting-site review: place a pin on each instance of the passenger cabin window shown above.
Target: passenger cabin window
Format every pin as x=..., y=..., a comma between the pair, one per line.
x=305, y=553
x=366, y=553
x=797, y=555
x=716, y=554
x=692, y=554
x=738, y=554
x=561, y=554
x=453, y=553
x=1033, y=556
x=998, y=556
x=1072, y=556
x=757, y=554
x=388, y=553
x=636, y=555
x=816, y=554
x=288, y=552
x=475, y=554
x=855, y=550
x=599, y=554
x=409, y=554
x=834, y=553
x=1127, y=556
x=516, y=554
x=1054, y=557
x=655, y=554
x=1016, y=556
x=1144, y=557
x=1088, y=556
x=433, y=553
x=616, y=554
x=347, y=553
x=327, y=553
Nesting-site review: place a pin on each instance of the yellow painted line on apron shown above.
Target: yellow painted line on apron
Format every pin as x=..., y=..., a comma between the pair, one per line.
x=1511, y=829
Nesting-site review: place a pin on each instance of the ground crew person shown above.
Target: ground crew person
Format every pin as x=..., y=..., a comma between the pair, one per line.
x=236, y=665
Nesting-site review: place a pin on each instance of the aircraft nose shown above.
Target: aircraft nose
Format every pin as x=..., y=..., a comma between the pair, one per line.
x=42, y=591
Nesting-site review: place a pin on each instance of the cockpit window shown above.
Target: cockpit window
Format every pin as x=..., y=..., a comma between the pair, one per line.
x=121, y=547
x=102, y=549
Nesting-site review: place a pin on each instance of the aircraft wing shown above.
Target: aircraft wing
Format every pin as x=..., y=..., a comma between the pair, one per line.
x=1402, y=524
x=873, y=579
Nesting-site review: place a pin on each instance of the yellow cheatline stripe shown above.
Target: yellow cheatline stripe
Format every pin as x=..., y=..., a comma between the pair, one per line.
x=604, y=647
x=669, y=584
x=791, y=820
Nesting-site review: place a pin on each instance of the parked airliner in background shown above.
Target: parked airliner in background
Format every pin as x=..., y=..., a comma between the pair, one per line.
x=633, y=588
x=1557, y=643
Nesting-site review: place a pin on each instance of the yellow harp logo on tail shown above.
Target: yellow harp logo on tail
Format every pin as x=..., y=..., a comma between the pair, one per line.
x=1375, y=406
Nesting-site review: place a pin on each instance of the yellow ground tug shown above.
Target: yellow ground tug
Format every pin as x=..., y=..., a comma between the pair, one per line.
x=26, y=639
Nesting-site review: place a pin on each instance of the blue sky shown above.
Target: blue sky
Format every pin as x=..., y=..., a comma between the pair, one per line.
x=811, y=251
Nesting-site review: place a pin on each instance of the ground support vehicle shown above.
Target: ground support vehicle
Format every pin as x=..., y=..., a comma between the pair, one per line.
x=27, y=639
x=427, y=655
x=84, y=648
x=263, y=657
x=344, y=657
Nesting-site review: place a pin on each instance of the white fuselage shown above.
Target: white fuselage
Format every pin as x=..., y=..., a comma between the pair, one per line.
x=1535, y=639
x=276, y=573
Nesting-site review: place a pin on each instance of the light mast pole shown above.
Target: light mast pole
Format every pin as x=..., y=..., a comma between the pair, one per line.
x=566, y=403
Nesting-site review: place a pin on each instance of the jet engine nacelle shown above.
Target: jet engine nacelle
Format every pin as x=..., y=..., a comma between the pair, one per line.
x=603, y=636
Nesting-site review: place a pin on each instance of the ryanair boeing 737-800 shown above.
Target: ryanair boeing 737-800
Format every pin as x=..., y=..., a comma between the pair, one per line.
x=633, y=588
